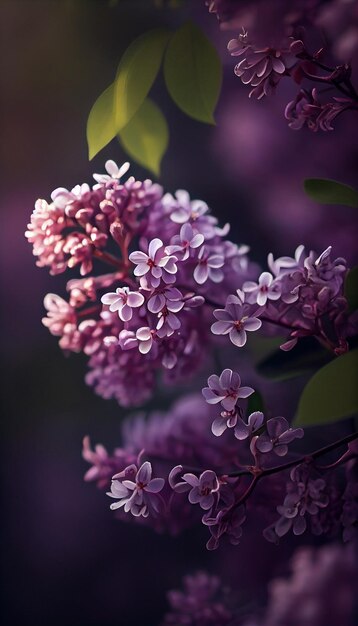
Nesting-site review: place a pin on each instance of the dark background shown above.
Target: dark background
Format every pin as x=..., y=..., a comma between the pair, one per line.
x=65, y=560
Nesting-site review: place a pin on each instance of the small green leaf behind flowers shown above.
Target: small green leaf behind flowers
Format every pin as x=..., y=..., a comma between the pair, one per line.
x=101, y=128
x=136, y=74
x=332, y=393
x=193, y=73
x=326, y=191
x=145, y=138
x=351, y=289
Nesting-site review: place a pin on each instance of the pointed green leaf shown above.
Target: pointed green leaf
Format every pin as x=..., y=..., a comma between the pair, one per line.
x=307, y=355
x=255, y=403
x=351, y=288
x=193, y=73
x=100, y=124
x=137, y=72
x=145, y=138
x=326, y=191
x=332, y=393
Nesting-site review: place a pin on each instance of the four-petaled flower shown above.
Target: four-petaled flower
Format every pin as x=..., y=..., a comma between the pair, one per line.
x=184, y=242
x=235, y=320
x=157, y=263
x=209, y=267
x=136, y=490
x=243, y=430
x=265, y=289
x=279, y=434
x=225, y=389
x=123, y=300
x=203, y=490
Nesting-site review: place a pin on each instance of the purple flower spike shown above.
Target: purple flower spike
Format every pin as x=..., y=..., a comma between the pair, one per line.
x=123, y=300
x=255, y=421
x=266, y=289
x=157, y=263
x=279, y=434
x=235, y=321
x=136, y=490
x=225, y=389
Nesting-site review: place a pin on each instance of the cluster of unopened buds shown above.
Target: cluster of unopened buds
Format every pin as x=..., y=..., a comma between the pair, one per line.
x=154, y=311
x=263, y=68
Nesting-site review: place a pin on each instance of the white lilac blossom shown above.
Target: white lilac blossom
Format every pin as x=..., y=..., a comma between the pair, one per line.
x=235, y=320
x=169, y=261
x=136, y=490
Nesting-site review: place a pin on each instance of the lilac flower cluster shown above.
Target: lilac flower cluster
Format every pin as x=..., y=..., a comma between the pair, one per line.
x=320, y=590
x=156, y=300
x=306, y=496
x=263, y=67
x=214, y=478
x=201, y=603
x=303, y=295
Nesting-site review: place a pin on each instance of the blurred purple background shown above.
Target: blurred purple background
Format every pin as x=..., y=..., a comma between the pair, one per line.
x=65, y=559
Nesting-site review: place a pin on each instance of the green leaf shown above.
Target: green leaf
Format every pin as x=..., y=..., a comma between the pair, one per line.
x=193, y=73
x=306, y=356
x=100, y=124
x=136, y=74
x=145, y=138
x=255, y=403
x=351, y=288
x=328, y=191
x=332, y=393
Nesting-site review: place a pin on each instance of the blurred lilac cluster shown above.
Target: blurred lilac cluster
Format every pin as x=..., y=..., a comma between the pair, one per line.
x=156, y=314
x=319, y=590
x=202, y=602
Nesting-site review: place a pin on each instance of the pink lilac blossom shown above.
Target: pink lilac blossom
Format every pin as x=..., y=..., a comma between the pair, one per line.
x=158, y=297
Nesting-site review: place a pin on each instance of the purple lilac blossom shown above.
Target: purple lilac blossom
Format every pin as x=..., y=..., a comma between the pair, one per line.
x=310, y=302
x=156, y=303
x=235, y=320
x=261, y=68
x=136, y=490
x=305, y=496
x=225, y=389
x=278, y=435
